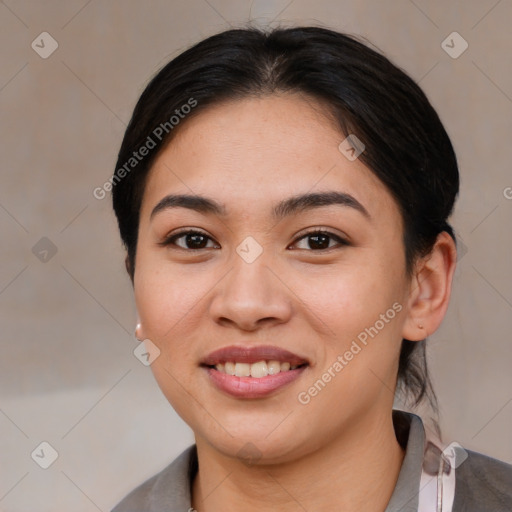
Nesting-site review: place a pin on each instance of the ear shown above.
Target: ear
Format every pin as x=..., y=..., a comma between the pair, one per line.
x=430, y=289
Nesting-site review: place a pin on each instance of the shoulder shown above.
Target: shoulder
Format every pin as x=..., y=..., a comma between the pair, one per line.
x=169, y=489
x=482, y=484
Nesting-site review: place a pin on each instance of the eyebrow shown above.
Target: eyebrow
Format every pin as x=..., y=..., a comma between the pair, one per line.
x=290, y=206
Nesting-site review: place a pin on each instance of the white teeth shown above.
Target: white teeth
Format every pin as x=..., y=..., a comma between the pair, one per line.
x=285, y=367
x=242, y=369
x=259, y=369
x=255, y=370
x=229, y=368
x=273, y=367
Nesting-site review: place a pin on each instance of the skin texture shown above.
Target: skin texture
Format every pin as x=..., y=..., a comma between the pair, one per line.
x=339, y=451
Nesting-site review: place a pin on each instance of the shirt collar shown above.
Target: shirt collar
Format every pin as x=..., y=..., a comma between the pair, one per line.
x=411, y=435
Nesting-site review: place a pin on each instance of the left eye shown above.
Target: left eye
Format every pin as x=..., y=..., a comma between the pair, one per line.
x=319, y=240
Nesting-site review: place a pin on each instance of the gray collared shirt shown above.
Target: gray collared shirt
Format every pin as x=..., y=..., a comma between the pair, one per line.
x=476, y=483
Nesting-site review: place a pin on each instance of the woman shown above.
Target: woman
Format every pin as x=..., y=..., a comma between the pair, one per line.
x=283, y=198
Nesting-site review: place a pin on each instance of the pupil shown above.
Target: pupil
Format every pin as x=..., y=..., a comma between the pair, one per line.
x=196, y=240
x=322, y=243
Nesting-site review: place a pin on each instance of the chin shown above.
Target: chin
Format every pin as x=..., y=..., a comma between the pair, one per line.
x=256, y=446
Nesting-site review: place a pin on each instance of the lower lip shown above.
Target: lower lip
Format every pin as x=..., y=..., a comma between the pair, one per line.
x=251, y=387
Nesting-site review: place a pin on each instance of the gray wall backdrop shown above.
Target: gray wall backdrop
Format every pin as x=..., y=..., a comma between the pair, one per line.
x=68, y=376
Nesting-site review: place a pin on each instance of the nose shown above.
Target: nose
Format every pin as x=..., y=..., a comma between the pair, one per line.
x=251, y=295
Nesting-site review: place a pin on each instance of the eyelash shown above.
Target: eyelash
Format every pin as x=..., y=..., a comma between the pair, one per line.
x=169, y=241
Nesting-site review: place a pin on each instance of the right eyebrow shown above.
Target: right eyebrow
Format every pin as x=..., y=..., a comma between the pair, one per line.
x=198, y=203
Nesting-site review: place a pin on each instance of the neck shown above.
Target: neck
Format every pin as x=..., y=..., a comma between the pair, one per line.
x=356, y=471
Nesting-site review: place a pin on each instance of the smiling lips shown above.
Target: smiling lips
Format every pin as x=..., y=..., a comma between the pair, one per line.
x=252, y=372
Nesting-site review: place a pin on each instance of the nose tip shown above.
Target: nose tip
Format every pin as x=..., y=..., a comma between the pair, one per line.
x=250, y=296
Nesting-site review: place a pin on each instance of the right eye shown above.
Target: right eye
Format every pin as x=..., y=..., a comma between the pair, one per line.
x=192, y=239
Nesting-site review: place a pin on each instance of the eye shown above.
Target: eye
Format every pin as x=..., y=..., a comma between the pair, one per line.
x=192, y=239
x=319, y=239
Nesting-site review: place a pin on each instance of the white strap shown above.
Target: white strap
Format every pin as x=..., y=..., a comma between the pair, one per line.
x=437, y=491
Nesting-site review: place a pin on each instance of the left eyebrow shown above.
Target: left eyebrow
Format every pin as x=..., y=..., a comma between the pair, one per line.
x=290, y=206
x=303, y=202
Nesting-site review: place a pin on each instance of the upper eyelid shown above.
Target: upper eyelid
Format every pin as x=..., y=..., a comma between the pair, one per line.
x=320, y=229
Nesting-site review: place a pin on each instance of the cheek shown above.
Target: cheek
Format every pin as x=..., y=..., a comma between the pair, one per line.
x=349, y=298
x=167, y=296
x=360, y=308
x=168, y=303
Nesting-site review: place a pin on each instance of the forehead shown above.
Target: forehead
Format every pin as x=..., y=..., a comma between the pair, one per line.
x=256, y=151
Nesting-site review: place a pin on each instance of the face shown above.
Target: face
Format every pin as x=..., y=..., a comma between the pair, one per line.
x=319, y=286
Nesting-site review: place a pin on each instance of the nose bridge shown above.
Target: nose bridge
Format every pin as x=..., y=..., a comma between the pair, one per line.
x=251, y=271
x=251, y=291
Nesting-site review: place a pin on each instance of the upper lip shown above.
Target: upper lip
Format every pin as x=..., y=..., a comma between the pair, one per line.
x=252, y=354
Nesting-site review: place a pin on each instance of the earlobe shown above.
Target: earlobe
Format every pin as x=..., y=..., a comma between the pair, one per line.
x=430, y=290
x=138, y=332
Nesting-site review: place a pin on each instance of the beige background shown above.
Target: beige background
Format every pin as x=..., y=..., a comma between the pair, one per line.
x=67, y=372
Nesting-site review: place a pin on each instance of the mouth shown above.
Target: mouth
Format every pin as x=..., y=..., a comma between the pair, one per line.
x=253, y=372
